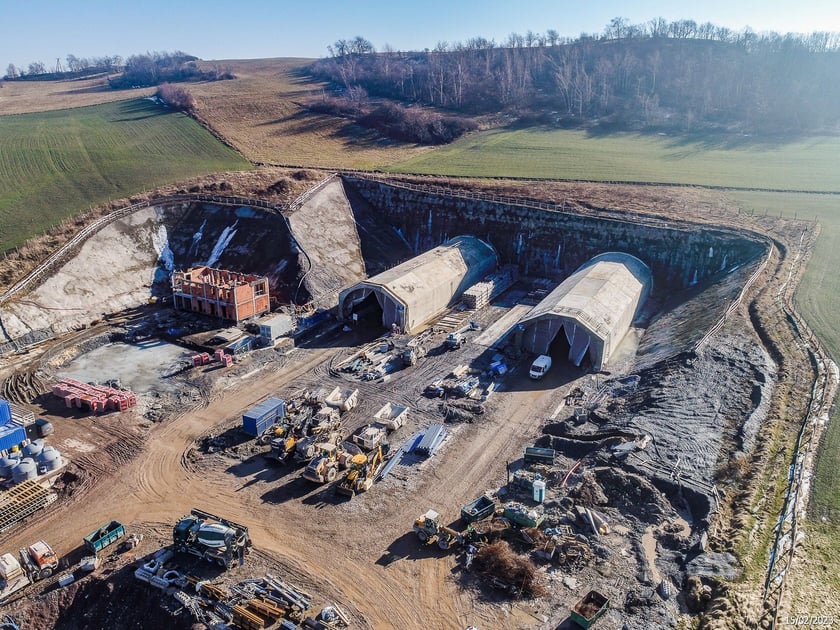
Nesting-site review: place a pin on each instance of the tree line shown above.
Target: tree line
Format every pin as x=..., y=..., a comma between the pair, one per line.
x=658, y=75
x=149, y=69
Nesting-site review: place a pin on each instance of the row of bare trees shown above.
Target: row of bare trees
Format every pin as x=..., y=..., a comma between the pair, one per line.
x=676, y=75
x=75, y=66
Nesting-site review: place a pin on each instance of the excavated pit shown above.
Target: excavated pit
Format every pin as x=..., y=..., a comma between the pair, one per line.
x=696, y=404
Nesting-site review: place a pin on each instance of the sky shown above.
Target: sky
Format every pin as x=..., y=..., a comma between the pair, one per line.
x=46, y=30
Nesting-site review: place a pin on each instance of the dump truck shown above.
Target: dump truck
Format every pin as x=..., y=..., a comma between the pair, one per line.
x=342, y=399
x=38, y=561
x=362, y=472
x=391, y=415
x=369, y=436
x=430, y=530
x=211, y=537
x=589, y=609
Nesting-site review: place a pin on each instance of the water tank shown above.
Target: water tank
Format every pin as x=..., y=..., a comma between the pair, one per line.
x=539, y=490
x=49, y=460
x=33, y=449
x=7, y=463
x=25, y=470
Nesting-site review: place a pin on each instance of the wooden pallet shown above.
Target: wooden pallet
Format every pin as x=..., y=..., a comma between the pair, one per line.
x=21, y=501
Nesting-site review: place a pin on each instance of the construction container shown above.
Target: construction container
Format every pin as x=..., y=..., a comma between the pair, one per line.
x=106, y=535
x=257, y=421
x=227, y=360
x=25, y=470
x=274, y=327
x=5, y=412
x=218, y=355
x=536, y=455
x=49, y=459
x=11, y=434
x=239, y=346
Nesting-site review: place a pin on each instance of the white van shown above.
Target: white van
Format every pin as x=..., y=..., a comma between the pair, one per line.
x=540, y=366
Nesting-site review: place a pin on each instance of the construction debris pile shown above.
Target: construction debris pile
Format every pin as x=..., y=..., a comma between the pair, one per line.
x=505, y=569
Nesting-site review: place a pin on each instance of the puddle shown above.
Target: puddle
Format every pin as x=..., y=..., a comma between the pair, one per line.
x=649, y=545
x=139, y=367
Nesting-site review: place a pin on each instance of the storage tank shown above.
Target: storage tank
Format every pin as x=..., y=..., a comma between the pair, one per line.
x=33, y=449
x=25, y=470
x=7, y=463
x=49, y=459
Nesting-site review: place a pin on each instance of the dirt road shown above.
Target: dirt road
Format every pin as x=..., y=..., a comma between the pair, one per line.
x=340, y=544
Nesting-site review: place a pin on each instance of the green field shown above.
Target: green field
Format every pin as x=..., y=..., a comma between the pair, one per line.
x=56, y=164
x=742, y=162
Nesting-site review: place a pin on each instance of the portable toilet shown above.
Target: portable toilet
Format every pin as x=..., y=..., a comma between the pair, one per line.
x=539, y=489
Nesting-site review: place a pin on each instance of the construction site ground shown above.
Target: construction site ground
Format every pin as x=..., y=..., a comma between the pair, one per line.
x=181, y=448
x=360, y=554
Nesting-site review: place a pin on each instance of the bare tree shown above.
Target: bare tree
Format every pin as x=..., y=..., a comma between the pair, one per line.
x=552, y=36
x=12, y=72
x=37, y=67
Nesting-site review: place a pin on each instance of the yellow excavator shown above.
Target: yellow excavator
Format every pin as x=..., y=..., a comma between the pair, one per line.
x=362, y=472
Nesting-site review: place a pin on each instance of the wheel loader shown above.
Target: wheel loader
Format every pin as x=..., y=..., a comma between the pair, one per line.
x=362, y=472
x=324, y=467
x=430, y=530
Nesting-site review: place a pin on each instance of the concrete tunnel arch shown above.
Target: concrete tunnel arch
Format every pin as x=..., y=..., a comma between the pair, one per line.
x=414, y=292
x=593, y=307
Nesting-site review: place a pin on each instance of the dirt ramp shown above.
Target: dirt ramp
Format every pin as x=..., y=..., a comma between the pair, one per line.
x=325, y=229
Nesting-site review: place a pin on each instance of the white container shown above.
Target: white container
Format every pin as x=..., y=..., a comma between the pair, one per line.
x=66, y=579
x=539, y=490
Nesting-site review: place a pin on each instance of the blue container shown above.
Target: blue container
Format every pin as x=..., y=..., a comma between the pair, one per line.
x=5, y=412
x=257, y=421
x=11, y=434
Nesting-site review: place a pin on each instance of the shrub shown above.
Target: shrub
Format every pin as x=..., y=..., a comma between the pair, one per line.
x=176, y=97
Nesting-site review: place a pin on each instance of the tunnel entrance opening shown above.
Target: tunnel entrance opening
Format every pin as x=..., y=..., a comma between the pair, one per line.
x=367, y=313
x=571, y=345
x=373, y=307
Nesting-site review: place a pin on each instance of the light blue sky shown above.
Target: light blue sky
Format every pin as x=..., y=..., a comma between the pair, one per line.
x=43, y=30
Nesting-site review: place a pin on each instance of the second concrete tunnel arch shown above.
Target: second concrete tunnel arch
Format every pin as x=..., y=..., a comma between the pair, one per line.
x=593, y=307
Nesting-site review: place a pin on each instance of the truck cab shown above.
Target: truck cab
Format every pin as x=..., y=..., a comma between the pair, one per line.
x=540, y=366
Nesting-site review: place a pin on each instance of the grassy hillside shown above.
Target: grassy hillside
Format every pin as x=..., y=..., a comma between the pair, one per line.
x=807, y=164
x=56, y=164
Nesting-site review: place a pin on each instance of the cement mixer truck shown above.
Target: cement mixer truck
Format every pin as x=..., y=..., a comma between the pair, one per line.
x=211, y=537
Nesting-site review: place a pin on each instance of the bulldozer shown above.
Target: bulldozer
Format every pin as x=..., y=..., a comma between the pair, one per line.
x=324, y=467
x=430, y=530
x=362, y=472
